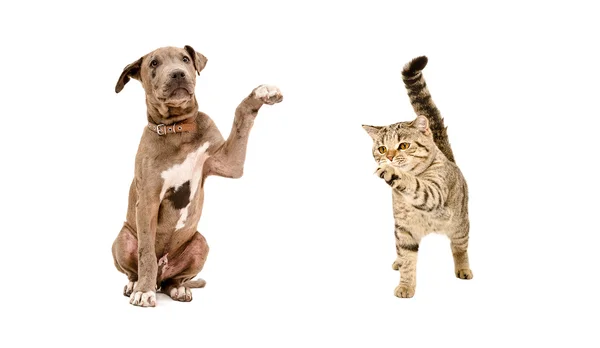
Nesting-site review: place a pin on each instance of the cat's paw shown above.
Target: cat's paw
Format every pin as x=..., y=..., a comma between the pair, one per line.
x=464, y=274
x=396, y=265
x=390, y=174
x=404, y=291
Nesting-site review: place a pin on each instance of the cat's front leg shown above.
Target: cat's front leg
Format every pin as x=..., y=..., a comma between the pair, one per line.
x=425, y=194
x=407, y=247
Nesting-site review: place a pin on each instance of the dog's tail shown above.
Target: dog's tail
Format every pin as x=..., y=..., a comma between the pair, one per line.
x=198, y=283
x=421, y=101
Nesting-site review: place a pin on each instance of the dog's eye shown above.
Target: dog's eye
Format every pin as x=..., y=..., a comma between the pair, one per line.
x=382, y=149
x=404, y=146
x=154, y=63
x=186, y=59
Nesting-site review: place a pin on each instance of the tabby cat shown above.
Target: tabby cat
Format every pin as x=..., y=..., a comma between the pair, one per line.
x=429, y=191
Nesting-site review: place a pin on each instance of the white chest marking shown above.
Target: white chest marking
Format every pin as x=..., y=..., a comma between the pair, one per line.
x=189, y=170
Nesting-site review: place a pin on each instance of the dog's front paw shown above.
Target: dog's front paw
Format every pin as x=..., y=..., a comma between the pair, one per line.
x=388, y=173
x=143, y=299
x=268, y=94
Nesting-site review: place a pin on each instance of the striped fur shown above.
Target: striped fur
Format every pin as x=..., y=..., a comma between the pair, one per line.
x=429, y=191
x=421, y=101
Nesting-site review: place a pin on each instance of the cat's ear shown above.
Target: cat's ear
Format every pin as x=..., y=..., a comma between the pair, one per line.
x=422, y=124
x=372, y=130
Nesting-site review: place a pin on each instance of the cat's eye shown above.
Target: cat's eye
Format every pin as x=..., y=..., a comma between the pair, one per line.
x=382, y=149
x=404, y=146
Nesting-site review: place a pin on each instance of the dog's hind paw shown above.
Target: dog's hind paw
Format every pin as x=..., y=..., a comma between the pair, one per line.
x=268, y=94
x=143, y=299
x=182, y=294
x=129, y=288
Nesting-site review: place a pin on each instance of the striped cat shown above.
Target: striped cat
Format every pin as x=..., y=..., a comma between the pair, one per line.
x=429, y=191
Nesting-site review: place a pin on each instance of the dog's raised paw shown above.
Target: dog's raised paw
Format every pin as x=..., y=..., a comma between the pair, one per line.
x=143, y=299
x=182, y=294
x=268, y=94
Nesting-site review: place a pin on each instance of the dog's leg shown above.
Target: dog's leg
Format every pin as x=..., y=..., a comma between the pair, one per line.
x=184, y=265
x=125, y=256
x=228, y=160
x=144, y=293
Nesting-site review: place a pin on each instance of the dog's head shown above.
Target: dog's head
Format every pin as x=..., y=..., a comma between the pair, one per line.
x=168, y=75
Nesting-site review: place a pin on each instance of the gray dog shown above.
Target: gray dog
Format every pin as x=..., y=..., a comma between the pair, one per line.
x=158, y=246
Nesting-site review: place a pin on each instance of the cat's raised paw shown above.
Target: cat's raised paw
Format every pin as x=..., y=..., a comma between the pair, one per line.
x=403, y=291
x=464, y=274
x=387, y=173
x=395, y=266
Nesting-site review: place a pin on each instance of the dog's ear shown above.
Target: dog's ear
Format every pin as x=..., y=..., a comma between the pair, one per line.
x=198, y=58
x=132, y=70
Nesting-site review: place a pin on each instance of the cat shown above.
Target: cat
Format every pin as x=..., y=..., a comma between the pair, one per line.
x=429, y=191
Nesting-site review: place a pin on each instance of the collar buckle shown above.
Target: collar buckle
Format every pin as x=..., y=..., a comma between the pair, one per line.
x=160, y=131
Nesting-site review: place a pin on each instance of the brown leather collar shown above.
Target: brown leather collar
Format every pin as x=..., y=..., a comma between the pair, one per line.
x=188, y=125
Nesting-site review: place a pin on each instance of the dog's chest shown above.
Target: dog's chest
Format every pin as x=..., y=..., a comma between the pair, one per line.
x=181, y=181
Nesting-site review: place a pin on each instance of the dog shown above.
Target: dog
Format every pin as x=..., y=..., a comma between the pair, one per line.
x=158, y=247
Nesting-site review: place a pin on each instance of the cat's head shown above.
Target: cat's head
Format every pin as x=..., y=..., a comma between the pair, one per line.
x=406, y=145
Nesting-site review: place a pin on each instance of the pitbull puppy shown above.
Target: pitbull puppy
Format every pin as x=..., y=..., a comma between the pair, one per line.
x=158, y=246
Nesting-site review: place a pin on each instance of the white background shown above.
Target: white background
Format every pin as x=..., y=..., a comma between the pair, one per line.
x=302, y=245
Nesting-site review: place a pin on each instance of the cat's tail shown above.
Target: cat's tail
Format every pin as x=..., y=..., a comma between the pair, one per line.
x=421, y=101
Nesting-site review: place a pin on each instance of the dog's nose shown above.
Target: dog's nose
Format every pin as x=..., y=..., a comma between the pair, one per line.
x=177, y=74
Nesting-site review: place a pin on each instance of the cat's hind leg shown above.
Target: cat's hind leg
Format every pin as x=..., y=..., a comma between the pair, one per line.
x=459, y=243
